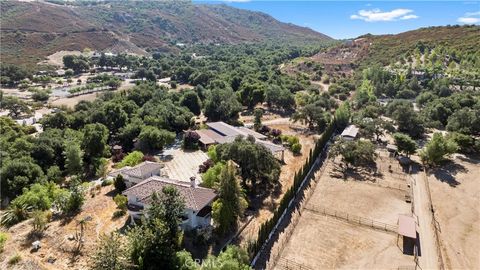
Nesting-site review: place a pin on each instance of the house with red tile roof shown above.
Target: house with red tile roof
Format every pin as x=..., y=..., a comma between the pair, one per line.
x=198, y=200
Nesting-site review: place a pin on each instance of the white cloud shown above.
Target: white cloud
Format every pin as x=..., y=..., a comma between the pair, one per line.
x=472, y=14
x=376, y=15
x=408, y=17
x=470, y=18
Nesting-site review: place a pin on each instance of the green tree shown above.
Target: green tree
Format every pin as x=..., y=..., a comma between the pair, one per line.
x=15, y=106
x=131, y=159
x=222, y=105
x=211, y=177
x=314, y=116
x=342, y=115
x=257, y=163
x=110, y=254
x=17, y=174
x=279, y=97
x=405, y=144
x=39, y=196
x=119, y=183
x=191, y=100
x=354, y=153
x=94, y=142
x=58, y=120
x=465, y=121
x=73, y=158
x=39, y=221
x=153, y=244
x=168, y=206
x=231, y=201
x=153, y=138
x=232, y=258
x=406, y=118
x=257, y=124
x=437, y=149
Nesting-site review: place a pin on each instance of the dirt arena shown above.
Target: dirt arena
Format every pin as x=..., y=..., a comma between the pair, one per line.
x=321, y=241
x=455, y=190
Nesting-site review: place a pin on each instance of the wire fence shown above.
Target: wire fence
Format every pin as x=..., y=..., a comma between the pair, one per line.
x=354, y=219
x=284, y=237
x=287, y=264
x=435, y=224
x=89, y=91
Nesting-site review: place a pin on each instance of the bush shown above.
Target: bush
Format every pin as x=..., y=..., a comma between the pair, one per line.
x=131, y=159
x=39, y=221
x=14, y=259
x=149, y=158
x=275, y=132
x=190, y=140
x=107, y=182
x=296, y=148
x=205, y=166
x=210, y=177
x=39, y=196
x=119, y=183
x=3, y=240
x=119, y=213
x=40, y=96
x=121, y=201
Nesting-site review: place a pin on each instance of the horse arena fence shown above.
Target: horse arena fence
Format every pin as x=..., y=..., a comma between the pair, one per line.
x=353, y=219
x=284, y=237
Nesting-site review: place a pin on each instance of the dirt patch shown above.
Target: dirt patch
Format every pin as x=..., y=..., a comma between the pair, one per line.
x=322, y=241
x=55, y=244
x=56, y=59
x=455, y=190
x=71, y=102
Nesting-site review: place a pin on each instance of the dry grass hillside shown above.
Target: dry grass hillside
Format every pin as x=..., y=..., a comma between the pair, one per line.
x=38, y=29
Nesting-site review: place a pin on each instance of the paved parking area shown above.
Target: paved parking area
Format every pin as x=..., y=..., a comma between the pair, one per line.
x=181, y=165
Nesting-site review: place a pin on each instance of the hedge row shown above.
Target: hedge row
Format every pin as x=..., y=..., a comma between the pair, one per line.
x=267, y=227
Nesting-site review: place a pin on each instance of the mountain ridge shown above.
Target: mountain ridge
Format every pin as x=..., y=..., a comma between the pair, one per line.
x=38, y=29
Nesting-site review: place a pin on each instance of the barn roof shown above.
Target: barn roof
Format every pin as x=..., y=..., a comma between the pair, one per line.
x=407, y=226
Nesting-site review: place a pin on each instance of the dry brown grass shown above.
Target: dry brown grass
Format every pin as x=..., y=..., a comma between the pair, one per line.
x=55, y=242
x=324, y=242
x=455, y=190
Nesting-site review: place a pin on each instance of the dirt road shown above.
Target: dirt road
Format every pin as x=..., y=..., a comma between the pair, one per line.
x=428, y=258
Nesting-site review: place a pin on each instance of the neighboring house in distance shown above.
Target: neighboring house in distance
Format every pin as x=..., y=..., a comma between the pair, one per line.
x=198, y=200
x=138, y=173
x=220, y=132
x=350, y=133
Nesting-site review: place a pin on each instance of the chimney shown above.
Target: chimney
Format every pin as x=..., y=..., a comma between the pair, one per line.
x=193, y=183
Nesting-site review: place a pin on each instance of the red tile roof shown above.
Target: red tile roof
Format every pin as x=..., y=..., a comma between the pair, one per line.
x=195, y=198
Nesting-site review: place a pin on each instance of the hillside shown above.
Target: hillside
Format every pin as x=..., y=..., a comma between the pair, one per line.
x=384, y=49
x=34, y=30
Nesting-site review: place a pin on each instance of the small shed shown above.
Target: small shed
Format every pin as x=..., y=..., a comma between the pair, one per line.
x=392, y=150
x=407, y=228
x=350, y=133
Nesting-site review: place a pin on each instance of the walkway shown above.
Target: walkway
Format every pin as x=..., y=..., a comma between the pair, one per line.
x=428, y=258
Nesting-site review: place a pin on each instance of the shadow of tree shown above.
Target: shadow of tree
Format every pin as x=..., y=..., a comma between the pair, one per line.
x=448, y=172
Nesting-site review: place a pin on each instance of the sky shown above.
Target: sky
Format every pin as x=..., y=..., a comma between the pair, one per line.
x=349, y=19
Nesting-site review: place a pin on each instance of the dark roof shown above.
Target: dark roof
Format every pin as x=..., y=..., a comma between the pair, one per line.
x=221, y=132
x=225, y=129
x=195, y=198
